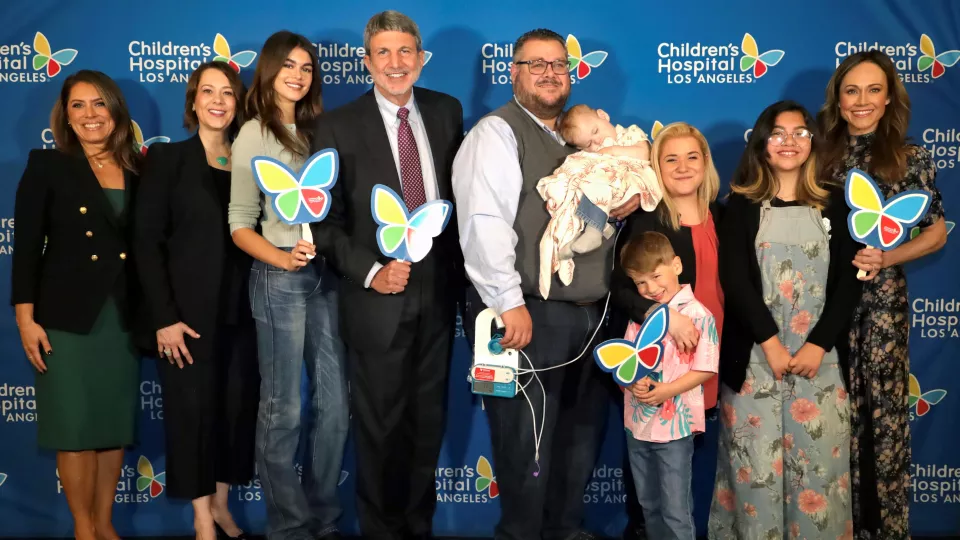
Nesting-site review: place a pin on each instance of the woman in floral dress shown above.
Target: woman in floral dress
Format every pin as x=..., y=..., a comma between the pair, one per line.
x=865, y=120
x=783, y=464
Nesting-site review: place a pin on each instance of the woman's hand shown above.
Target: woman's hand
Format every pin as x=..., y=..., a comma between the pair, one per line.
x=778, y=357
x=170, y=343
x=298, y=257
x=683, y=332
x=871, y=261
x=806, y=363
x=34, y=338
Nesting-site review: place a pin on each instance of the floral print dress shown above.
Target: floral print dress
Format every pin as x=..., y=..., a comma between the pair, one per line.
x=880, y=370
x=783, y=463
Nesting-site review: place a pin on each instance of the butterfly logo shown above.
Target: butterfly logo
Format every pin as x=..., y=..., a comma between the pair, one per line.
x=876, y=222
x=52, y=60
x=142, y=145
x=630, y=361
x=148, y=479
x=924, y=401
x=400, y=235
x=930, y=58
x=302, y=198
x=914, y=232
x=655, y=130
x=753, y=59
x=487, y=480
x=582, y=63
x=236, y=61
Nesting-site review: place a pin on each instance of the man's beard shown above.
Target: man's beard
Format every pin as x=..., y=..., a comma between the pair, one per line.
x=536, y=105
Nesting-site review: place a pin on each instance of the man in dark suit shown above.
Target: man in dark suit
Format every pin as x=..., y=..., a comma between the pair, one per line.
x=396, y=318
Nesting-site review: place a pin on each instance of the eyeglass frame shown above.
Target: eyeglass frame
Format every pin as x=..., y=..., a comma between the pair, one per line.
x=530, y=63
x=796, y=139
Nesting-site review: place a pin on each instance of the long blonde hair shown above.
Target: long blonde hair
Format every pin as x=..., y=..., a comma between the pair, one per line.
x=709, y=187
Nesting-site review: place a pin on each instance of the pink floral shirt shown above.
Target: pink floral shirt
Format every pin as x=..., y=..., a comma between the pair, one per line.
x=682, y=415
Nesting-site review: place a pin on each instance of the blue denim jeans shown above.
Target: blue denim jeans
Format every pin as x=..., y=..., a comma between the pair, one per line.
x=662, y=475
x=296, y=316
x=591, y=214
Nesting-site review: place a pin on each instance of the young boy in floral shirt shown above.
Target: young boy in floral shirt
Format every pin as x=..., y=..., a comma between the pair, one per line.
x=663, y=411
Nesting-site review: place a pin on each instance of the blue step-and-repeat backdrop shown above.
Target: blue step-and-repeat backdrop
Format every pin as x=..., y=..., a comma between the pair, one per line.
x=655, y=62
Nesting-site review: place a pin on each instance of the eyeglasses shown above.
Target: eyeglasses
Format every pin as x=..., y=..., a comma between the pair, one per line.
x=801, y=136
x=539, y=67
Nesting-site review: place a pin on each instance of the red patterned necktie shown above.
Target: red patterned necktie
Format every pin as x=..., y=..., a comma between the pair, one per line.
x=411, y=175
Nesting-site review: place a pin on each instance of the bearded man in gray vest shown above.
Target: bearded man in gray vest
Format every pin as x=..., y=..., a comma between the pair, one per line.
x=541, y=474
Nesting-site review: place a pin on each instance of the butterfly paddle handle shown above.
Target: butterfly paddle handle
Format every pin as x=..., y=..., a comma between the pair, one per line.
x=863, y=273
x=306, y=234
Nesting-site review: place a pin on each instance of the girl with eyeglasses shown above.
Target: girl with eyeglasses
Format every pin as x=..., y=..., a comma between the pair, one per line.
x=783, y=463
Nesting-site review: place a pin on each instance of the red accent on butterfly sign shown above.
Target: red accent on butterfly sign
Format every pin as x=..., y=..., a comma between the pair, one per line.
x=648, y=357
x=889, y=230
x=314, y=199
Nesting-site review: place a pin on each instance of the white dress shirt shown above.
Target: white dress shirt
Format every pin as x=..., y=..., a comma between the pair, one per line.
x=388, y=110
x=487, y=182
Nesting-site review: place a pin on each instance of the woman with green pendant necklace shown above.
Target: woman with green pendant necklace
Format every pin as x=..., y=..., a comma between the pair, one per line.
x=195, y=286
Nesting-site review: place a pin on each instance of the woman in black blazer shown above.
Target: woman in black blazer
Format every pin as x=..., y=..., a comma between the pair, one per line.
x=687, y=215
x=72, y=291
x=194, y=281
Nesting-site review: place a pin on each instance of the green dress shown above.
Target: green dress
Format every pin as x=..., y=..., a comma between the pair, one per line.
x=87, y=399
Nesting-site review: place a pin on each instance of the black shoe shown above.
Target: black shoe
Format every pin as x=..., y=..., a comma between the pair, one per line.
x=637, y=532
x=222, y=534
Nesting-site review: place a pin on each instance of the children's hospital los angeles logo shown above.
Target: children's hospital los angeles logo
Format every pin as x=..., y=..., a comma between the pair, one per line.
x=916, y=62
x=34, y=62
x=935, y=318
x=18, y=403
x=158, y=62
x=467, y=484
x=724, y=63
x=142, y=145
x=136, y=485
x=497, y=58
x=921, y=401
x=341, y=62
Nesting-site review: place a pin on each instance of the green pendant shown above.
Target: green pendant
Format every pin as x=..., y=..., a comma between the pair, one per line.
x=222, y=161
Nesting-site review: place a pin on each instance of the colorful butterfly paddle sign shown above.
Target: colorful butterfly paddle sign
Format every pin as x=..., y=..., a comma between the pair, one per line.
x=404, y=236
x=930, y=58
x=149, y=480
x=630, y=361
x=52, y=60
x=876, y=222
x=236, y=61
x=923, y=401
x=144, y=145
x=580, y=62
x=303, y=198
x=753, y=59
x=486, y=481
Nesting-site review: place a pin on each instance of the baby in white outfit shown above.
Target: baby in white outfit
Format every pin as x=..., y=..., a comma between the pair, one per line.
x=611, y=167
